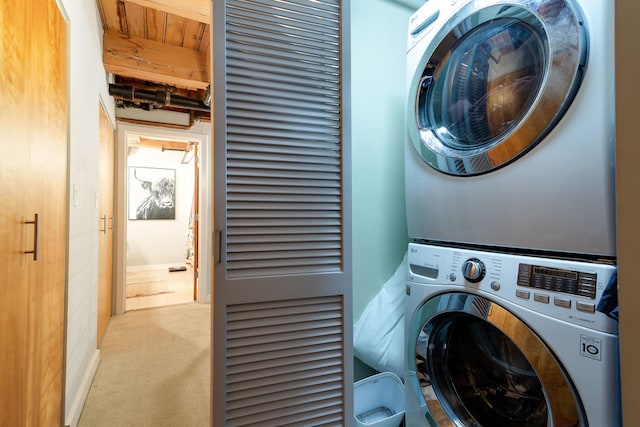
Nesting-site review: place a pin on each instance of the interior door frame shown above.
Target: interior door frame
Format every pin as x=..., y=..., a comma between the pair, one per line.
x=203, y=138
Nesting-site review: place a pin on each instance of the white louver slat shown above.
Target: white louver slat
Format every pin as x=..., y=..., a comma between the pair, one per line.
x=282, y=345
x=283, y=137
x=284, y=363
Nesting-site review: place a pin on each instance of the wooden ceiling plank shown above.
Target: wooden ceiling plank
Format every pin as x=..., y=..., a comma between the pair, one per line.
x=122, y=16
x=175, y=30
x=198, y=10
x=149, y=60
x=155, y=24
x=193, y=34
x=206, y=40
x=109, y=14
x=135, y=20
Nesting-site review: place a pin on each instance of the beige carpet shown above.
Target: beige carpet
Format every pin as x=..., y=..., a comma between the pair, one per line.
x=154, y=370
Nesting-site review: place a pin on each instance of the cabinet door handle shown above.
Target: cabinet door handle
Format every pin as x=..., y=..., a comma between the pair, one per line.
x=104, y=224
x=110, y=223
x=218, y=245
x=36, y=237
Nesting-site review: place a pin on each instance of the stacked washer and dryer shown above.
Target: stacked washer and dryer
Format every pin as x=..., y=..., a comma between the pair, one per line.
x=510, y=207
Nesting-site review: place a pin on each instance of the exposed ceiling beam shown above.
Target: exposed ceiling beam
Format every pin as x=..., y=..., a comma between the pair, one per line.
x=150, y=60
x=198, y=10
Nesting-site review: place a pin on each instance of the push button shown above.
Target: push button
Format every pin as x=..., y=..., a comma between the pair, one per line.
x=522, y=294
x=541, y=298
x=586, y=307
x=562, y=302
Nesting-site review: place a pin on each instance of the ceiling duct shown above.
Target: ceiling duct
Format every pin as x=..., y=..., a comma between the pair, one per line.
x=158, y=117
x=157, y=98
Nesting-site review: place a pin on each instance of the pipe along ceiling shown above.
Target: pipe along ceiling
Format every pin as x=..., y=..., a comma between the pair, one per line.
x=150, y=99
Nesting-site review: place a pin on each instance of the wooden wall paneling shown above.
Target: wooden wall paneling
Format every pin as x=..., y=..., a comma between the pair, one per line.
x=628, y=202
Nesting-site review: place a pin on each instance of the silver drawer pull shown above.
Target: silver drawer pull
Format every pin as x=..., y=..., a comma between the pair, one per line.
x=104, y=224
x=36, y=238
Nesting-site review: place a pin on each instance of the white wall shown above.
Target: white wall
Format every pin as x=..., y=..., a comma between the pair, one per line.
x=88, y=86
x=159, y=242
x=378, y=40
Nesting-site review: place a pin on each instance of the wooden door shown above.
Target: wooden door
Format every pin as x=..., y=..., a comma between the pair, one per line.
x=196, y=219
x=105, y=223
x=33, y=220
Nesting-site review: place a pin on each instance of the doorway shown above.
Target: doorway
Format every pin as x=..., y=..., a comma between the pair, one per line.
x=161, y=216
x=158, y=249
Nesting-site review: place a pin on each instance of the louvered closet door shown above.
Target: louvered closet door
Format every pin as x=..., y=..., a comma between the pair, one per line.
x=282, y=345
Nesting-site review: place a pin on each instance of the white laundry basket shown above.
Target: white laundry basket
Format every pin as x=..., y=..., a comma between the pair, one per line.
x=378, y=401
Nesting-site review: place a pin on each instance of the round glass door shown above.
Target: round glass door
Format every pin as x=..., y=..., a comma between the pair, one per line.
x=477, y=364
x=492, y=85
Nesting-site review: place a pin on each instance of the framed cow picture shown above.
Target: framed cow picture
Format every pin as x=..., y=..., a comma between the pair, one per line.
x=152, y=193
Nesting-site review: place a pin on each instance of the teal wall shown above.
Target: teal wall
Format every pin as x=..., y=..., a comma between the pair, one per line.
x=378, y=34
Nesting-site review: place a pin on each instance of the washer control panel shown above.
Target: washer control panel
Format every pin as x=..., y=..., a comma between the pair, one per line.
x=564, y=289
x=558, y=280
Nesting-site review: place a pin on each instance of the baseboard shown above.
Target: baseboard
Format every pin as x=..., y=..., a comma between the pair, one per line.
x=73, y=417
x=153, y=267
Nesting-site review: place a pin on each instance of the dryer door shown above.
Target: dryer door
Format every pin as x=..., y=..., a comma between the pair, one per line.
x=473, y=363
x=493, y=81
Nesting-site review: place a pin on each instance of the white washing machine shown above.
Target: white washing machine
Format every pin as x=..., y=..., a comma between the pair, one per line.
x=510, y=124
x=502, y=340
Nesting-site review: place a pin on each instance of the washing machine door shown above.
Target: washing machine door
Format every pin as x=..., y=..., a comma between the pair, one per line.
x=493, y=81
x=473, y=363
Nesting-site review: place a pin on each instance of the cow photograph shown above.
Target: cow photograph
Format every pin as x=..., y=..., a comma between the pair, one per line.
x=152, y=193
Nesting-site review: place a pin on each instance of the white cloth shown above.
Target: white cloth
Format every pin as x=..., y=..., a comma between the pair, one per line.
x=378, y=335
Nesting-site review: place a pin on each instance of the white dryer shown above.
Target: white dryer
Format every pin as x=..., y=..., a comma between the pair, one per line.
x=502, y=340
x=510, y=124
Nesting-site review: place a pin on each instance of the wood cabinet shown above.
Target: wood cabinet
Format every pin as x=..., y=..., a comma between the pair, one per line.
x=33, y=219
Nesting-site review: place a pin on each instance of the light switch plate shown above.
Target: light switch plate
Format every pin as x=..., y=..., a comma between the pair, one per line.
x=75, y=197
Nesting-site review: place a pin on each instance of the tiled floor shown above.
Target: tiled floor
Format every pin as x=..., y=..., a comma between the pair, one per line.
x=156, y=288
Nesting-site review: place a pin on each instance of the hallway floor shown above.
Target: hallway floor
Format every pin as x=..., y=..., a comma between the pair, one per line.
x=154, y=370
x=158, y=288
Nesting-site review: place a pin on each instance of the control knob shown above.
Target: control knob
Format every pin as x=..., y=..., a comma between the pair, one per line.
x=473, y=270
